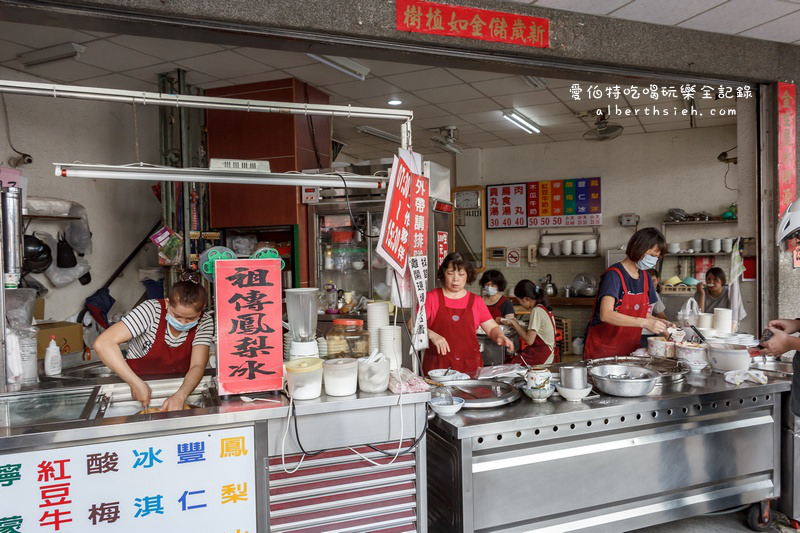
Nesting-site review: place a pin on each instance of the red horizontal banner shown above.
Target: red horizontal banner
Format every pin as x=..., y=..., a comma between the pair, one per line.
x=470, y=23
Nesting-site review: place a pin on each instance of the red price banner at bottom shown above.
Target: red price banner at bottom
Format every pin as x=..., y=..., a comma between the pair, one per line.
x=249, y=340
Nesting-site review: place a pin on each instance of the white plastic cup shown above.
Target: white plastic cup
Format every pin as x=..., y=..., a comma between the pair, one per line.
x=573, y=376
x=391, y=344
x=705, y=320
x=304, y=378
x=723, y=320
x=697, y=245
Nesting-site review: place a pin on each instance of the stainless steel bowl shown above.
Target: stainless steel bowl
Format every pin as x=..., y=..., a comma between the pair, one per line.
x=624, y=380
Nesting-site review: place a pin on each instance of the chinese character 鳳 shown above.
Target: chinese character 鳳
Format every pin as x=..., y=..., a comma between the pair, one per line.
x=252, y=300
x=249, y=324
x=105, y=512
x=245, y=277
x=148, y=505
x=233, y=493
x=251, y=349
x=248, y=370
x=55, y=517
x=232, y=447
x=47, y=470
x=147, y=459
x=191, y=452
x=9, y=474
x=53, y=495
x=10, y=524
x=183, y=500
x=97, y=463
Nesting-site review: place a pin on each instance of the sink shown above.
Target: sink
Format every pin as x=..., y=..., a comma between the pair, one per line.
x=88, y=371
x=773, y=366
x=115, y=399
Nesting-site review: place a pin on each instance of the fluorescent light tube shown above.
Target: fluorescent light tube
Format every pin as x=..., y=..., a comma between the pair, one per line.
x=343, y=64
x=203, y=175
x=51, y=54
x=521, y=121
x=535, y=82
x=375, y=132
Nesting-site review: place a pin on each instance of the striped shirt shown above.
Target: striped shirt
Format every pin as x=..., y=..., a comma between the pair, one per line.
x=143, y=321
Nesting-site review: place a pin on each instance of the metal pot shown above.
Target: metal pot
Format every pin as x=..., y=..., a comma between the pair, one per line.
x=549, y=287
x=624, y=380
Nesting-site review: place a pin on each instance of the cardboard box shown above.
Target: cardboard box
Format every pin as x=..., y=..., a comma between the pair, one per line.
x=38, y=309
x=69, y=337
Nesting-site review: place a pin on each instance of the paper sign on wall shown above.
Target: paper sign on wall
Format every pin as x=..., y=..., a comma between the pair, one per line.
x=442, y=247
x=558, y=203
x=249, y=339
x=200, y=481
x=506, y=206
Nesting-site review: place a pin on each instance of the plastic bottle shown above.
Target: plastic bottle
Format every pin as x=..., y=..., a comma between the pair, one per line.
x=328, y=258
x=52, y=358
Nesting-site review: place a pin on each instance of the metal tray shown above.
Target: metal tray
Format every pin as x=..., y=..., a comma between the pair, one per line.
x=483, y=393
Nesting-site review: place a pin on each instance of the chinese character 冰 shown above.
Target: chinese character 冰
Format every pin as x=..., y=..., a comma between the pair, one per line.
x=191, y=452
x=47, y=471
x=101, y=463
x=233, y=493
x=185, y=496
x=9, y=474
x=147, y=505
x=105, y=512
x=147, y=459
x=248, y=370
x=232, y=447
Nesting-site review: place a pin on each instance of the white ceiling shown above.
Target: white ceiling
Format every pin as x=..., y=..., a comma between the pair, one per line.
x=471, y=100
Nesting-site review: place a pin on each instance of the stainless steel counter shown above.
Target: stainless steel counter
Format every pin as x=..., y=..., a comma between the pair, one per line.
x=608, y=464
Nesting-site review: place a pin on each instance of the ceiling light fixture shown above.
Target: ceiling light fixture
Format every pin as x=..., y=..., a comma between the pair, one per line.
x=535, y=82
x=447, y=138
x=521, y=121
x=51, y=54
x=375, y=132
x=204, y=175
x=343, y=64
x=394, y=101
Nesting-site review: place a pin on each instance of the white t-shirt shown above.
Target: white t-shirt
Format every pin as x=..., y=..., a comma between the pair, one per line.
x=142, y=322
x=540, y=322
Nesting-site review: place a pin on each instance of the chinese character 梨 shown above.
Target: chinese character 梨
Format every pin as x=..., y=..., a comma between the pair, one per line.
x=250, y=348
x=233, y=493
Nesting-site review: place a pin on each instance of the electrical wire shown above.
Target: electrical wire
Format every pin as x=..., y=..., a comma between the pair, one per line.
x=349, y=210
x=8, y=126
x=725, y=179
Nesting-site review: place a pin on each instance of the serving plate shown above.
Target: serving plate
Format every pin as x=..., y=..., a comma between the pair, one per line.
x=483, y=393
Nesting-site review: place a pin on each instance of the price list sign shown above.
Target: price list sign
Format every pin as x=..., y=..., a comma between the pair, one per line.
x=559, y=203
x=506, y=206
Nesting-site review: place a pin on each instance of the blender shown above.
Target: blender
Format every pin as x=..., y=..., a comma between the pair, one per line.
x=301, y=308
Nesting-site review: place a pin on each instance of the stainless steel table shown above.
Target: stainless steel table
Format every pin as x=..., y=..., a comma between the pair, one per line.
x=609, y=464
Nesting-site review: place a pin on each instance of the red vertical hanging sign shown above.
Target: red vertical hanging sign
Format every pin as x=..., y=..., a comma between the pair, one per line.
x=787, y=129
x=249, y=340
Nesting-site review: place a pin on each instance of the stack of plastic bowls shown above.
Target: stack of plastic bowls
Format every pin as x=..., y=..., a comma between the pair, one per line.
x=377, y=317
x=391, y=345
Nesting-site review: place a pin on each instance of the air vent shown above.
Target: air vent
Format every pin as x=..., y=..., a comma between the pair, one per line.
x=243, y=165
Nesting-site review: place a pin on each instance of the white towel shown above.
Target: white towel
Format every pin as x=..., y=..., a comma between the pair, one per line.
x=737, y=377
x=734, y=290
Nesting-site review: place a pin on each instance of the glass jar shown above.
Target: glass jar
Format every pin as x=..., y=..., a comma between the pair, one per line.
x=347, y=338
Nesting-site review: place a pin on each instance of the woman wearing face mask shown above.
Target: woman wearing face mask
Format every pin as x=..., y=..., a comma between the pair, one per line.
x=493, y=284
x=714, y=292
x=169, y=336
x=626, y=292
x=454, y=315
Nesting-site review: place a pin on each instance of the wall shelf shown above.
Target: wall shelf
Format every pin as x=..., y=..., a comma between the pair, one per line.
x=570, y=256
x=690, y=222
x=696, y=254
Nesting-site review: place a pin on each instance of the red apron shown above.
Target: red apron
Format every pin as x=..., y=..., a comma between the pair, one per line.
x=458, y=327
x=161, y=358
x=537, y=353
x=605, y=340
x=494, y=309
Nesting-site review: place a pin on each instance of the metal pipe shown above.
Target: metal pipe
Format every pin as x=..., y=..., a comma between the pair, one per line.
x=12, y=236
x=202, y=102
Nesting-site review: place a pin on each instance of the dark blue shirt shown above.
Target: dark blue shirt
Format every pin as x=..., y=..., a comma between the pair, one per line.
x=611, y=285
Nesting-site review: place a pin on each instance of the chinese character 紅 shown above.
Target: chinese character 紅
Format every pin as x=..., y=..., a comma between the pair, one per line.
x=47, y=470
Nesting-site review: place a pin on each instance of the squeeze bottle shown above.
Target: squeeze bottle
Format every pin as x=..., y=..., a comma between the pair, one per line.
x=52, y=358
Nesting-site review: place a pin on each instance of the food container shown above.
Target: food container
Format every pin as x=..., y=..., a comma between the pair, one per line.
x=691, y=351
x=340, y=376
x=726, y=357
x=373, y=376
x=342, y=236
x=624, y=380
x=572, y=376
x=443, y=407
x=660, y=347
x=348, y=338
x=304, y=378
x=538, y=395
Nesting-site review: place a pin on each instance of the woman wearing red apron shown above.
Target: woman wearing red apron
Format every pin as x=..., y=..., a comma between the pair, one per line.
x=540, y=335
x=454, y=315
x=621, y=309
x=169, y=336
x=493, y=285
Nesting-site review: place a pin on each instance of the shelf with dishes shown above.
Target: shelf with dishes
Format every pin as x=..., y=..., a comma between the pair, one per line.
x=695, y=254
x=571, y=256
x=572, y=244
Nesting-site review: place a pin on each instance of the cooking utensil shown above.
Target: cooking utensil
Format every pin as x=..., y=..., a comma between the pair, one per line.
x=697, y=332
x=248, y=399
x=624, y=380
x=483, y=393
x=550, y=288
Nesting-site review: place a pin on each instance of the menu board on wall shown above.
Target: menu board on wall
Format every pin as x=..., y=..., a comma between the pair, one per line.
x=506, y=206
x=200, y=481
x=558, y=203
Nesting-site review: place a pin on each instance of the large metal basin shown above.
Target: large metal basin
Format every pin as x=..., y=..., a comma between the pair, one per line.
x=115, y=399
x=773, y=366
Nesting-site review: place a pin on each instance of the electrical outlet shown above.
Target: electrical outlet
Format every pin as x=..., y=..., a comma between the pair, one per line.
x=531, y=253
x=628, y=219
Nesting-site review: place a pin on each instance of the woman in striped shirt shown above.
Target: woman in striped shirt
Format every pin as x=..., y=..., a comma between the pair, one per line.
x=169, y=336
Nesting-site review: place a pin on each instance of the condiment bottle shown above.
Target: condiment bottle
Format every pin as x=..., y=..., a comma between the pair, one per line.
x=52, y=358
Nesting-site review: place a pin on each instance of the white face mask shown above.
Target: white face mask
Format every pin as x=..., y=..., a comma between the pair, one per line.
x=647, y=262
x=490, y=291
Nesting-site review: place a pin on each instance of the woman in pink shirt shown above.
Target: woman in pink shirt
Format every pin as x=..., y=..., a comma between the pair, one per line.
x=454, y=315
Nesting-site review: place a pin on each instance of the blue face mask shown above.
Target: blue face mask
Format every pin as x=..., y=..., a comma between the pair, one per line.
x=647, y=262
x=172, y=321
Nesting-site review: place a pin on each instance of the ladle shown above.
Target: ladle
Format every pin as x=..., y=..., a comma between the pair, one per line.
x=248, y=399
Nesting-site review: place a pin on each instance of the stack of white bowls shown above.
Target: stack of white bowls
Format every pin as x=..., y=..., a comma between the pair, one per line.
x=722, y=320
x=287, y=343
x=391, y=345
x=377, y=317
